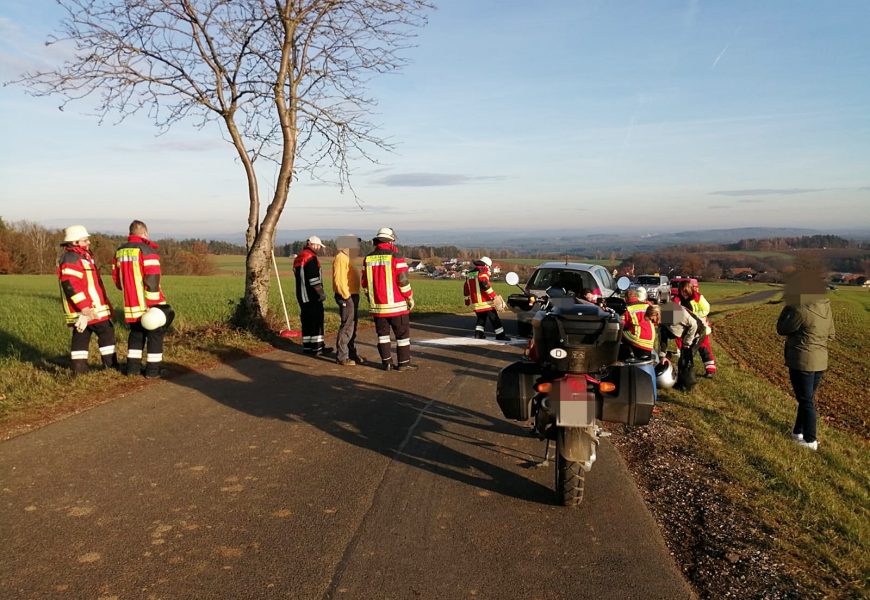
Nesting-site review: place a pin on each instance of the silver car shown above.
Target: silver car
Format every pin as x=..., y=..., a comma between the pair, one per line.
x=570, y=276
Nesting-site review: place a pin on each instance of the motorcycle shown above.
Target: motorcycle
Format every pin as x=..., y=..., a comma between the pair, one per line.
x=571, y=380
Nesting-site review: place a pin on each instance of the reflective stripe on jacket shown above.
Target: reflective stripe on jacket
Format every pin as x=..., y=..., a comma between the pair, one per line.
x=136, y=271
x=636, y=329
x=81, y=286
x=698, y=304
x=478, y=291
x=385, y=281
x=309, y=280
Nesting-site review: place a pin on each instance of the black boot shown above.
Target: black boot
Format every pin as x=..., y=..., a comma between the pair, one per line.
x=152, y=370
x=110, y=361
x=80, y=366
x=479, y=335
x=134, y=367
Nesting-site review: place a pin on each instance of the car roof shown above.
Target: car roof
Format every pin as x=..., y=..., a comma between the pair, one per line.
x=557, y=264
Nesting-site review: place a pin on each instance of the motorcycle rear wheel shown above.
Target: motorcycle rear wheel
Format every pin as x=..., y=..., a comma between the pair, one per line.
x=570, y=479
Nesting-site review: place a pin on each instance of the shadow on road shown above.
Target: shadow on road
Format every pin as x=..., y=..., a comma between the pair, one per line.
x=366, y=411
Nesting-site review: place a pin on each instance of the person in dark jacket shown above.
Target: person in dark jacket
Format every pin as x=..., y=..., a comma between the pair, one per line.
x=807, y=323
x=310, y=295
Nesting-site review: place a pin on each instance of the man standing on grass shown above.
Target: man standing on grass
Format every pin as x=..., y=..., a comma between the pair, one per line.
x=385, y=281
x=136, y=271
x=345, y=283
x=310, y=295
x=85, y=302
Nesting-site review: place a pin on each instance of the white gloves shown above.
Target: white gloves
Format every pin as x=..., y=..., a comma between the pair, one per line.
x=411, y=303
x=81, y=322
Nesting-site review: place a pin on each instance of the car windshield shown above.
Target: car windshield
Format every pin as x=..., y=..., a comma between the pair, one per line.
x=571, y=281
x=648, y=280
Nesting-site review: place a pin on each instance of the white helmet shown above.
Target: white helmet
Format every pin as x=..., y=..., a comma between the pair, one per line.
x=154, y=318
x=641, y=294
x=314, y=241
x=74, y=233
x=665, y=378
x=486, y=260
x=386, y=233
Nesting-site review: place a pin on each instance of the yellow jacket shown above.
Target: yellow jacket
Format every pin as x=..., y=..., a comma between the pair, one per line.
x=345, y=279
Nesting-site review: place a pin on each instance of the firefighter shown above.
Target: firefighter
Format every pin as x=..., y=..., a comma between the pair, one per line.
x=480, y=296
x=638, y=333
x=85, y=302
x=136, y=271
x=692, y=299
x=385, y=284
x=310, y=295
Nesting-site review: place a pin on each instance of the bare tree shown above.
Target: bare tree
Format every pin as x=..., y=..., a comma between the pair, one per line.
x=285, y=78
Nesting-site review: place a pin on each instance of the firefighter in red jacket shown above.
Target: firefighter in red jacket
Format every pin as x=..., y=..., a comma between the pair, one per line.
x=385, y=283
x=310, y=295
x=479, y=295
x=638, y=333
x=136, y=271
x=85, y=302
x=691, y=299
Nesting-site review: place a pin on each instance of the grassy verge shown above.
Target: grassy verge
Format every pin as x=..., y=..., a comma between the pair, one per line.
x=816, y=504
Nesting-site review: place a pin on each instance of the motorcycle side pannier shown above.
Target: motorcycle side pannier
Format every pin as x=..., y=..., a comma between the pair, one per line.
x=589, y=336
x=514, y=389
x=635, y=395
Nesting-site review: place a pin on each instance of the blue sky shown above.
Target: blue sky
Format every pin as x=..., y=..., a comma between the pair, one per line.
x=637, y=116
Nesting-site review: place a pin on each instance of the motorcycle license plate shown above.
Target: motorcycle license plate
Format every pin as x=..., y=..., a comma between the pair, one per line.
x=575, y=404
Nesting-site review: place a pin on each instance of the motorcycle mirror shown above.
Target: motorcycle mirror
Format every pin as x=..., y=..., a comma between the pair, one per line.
x=512, y=278
x=623, y=283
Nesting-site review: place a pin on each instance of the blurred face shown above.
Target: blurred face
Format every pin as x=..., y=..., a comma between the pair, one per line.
x=85, y=243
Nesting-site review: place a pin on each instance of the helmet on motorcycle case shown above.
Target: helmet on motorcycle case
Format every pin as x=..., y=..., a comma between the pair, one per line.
x=665, y=377
x=641, y=294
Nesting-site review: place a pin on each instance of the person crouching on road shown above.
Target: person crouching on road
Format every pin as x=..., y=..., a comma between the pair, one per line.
x=480, y=296
x=345, y=283
x=310, y=295
x=136, y=271
x=638, y=333
x=386, y=285
x=85, y=302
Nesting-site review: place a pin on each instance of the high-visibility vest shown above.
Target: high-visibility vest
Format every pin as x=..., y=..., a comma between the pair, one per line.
x=385, y=282
x=81, y=286
x=636, y=329
x=136, y=271
x=698, y=304
x=478, y=291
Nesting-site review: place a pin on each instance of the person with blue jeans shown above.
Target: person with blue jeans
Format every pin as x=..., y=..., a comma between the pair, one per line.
x=808, y=325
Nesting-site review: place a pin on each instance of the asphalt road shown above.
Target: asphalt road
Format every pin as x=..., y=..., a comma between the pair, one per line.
x=285, y=476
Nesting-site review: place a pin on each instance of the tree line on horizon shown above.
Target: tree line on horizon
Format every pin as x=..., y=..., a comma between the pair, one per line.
x=30, y=248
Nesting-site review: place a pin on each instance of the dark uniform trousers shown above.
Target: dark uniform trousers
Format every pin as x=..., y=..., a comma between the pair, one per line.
x=137, y=341
x=311, y=315
x=401, y=327
x=81, y=340
x=482, y=318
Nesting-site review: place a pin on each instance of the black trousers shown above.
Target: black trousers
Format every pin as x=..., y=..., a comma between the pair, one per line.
x=81, y=340
x=140, y=338
x=311, y=315
x=482, y=318
x=401, y=328
x=345, y=341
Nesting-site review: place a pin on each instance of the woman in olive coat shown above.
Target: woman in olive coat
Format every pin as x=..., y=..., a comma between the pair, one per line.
x=808, y=324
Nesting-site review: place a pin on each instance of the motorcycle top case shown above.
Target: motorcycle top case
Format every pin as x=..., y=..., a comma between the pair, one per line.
x=633, y=401
x=514, y=389
x=587, y=336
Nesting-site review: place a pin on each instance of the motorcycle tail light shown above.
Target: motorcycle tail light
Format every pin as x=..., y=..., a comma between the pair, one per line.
x=544, y=387
x=607, y=386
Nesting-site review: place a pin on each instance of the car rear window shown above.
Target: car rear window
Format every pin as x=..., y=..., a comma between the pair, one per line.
x=648, y=280
x=570, y=280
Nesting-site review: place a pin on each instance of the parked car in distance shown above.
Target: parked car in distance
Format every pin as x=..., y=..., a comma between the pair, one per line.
x=569, y=276
x=658, y=287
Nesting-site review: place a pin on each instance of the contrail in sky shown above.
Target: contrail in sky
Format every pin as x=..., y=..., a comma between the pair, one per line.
x=721, y=54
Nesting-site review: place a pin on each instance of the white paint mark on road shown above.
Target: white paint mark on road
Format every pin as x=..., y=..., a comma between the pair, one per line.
x=468, y=341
